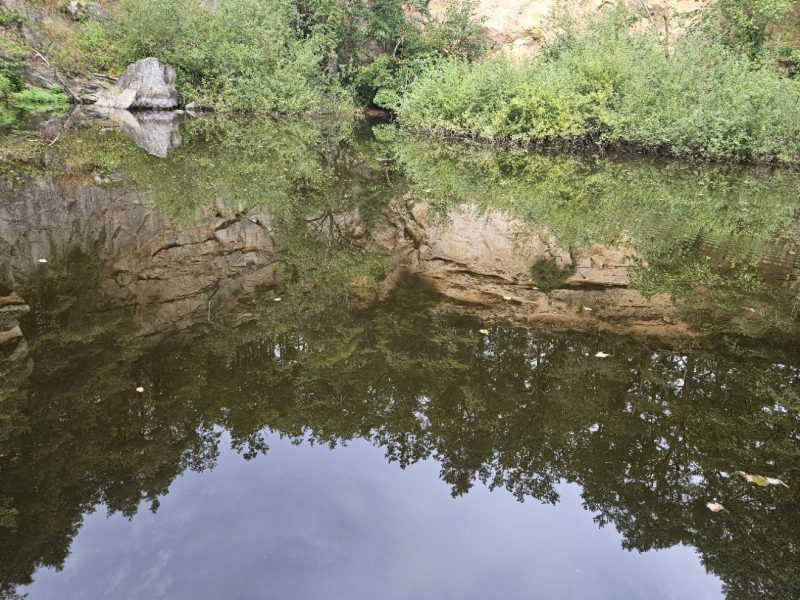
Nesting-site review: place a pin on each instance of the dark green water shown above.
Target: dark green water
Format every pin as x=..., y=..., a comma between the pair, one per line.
x=383, y=368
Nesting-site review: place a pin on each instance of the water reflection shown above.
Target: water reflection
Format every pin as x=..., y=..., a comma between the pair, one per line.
x=155, y=132
x=285, y=278
x=650, y=436
x=366, y=530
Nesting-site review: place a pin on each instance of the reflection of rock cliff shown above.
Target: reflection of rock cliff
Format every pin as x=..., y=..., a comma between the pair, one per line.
x=487, y=264
x=498, y=268
x=12, y=342
x=172, y=275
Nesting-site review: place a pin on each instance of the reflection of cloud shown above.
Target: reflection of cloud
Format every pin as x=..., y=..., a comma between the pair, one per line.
x=308, y=523
x=155, y=132
x=155, y=581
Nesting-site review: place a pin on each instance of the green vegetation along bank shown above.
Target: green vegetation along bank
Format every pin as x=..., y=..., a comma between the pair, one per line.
x=616, y=85
x=720, y=86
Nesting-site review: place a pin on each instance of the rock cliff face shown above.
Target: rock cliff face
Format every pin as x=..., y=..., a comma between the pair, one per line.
x=518, y=26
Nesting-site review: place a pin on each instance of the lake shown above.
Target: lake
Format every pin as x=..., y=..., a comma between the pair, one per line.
x=264, y=358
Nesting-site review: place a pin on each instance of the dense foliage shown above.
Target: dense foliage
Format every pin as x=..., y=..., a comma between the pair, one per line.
x=720, y=88
x=616, y=85
x=751, y=26
x=245, y=54
x=292, y=55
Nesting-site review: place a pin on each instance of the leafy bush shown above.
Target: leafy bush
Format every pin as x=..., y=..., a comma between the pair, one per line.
x=746, y=24
x=95, y=45
x=617, y=86
x=295, y=55
x=418, y=42
x=10, y=16
x=244, y=55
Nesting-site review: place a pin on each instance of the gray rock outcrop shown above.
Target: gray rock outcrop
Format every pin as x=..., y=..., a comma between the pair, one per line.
x=146, y=84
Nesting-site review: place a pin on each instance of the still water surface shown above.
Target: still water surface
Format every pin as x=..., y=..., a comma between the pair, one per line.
x=314, y=523
x=374, y=367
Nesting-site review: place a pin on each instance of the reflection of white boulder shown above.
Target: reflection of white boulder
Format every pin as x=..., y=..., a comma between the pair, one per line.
x=154, y=132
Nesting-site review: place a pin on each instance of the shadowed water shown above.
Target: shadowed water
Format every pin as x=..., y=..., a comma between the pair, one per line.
x=379, y=367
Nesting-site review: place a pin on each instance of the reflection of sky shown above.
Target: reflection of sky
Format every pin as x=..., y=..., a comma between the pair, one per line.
x=308, y=522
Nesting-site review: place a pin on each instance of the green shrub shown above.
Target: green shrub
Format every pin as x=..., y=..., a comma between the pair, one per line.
x=294, y=56
x=95, y=44
x=617, y=86
x=9, y=16
x=746, y=24
x=244, y=55
x=6, y=84
x=418, y=42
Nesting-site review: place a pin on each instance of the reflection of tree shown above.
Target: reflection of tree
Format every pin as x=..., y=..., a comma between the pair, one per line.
x=650, y=436
x=82, y=436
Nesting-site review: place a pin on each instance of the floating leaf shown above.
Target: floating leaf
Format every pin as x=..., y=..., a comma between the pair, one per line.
x=140, y=389
x=484, y=331
x=774, y=481
x=760, y=480
x=602, y=355
x=715, y=507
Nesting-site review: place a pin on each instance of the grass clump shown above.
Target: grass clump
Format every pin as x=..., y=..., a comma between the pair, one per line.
x=34, y=99
x=618, y=86
x=18, y=99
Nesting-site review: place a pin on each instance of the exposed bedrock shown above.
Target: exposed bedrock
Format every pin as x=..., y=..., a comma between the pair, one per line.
x=519, y=27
